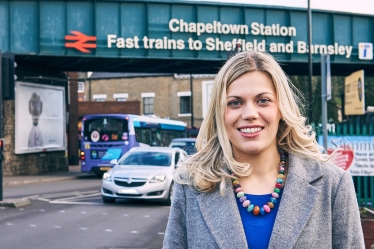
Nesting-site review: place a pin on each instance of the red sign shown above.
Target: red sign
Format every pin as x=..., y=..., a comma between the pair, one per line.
x=82, y=41
x=343, y=158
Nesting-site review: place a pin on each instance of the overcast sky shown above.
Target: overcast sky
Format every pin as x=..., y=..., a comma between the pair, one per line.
x=352, y=6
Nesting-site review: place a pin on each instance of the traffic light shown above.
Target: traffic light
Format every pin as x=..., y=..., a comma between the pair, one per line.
x=1, y=144
x=8, y=75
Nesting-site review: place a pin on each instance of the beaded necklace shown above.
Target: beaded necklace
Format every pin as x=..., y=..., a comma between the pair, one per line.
x=274, y=196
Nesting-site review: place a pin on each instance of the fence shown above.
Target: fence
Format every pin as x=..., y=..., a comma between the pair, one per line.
x=364, y=185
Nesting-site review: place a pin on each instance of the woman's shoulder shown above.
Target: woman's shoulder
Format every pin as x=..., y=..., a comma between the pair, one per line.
x=312, y=167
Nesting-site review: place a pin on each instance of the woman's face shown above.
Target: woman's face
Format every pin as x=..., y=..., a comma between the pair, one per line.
x=252, y=114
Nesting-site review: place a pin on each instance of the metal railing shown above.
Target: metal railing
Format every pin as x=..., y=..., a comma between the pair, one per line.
x=364, y=185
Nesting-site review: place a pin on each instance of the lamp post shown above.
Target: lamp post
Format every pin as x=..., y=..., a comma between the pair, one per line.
x=310, y=61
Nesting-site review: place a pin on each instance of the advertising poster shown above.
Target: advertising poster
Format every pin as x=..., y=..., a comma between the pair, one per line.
x=357, y=154
x=39, y=118
x=354, y=94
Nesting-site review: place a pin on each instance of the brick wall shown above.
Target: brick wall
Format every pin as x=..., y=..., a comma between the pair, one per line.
x=166, y=102
x=108, y=107
x=26, y=164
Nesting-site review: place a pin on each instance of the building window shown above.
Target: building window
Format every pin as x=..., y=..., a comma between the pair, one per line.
x=148, y=103
x=121, y=96
x=185, y=105
x=99, y=97
x=81, y=86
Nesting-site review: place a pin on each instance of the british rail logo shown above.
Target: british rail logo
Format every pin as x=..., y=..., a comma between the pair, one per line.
x=82, y=42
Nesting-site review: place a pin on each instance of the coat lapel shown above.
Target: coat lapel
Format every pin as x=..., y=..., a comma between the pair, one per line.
x=298, y=201
x=222, y=217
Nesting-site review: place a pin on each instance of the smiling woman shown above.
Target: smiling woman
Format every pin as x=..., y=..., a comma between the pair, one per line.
x=258, y=175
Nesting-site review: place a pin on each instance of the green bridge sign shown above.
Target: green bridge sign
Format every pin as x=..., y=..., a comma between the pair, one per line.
x=177, y=36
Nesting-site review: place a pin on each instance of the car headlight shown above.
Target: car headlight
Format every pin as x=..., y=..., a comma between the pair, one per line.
x=159, y=178
x=107, y=177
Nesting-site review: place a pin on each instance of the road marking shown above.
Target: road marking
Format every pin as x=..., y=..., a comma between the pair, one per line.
x=83, y=228
x=76, y=199
x=9, y=224
x=32, y=225
x=108, y=230
x=75, y=202
x=74, y=193
x=83, y=212
x=104, y=213
x=62, y=211
x=57, y=226
x=42, y=199
x=146, y=216
x=134, y=231
x=161, y=233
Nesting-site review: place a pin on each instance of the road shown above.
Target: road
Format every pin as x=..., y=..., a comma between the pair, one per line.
x=70, y=214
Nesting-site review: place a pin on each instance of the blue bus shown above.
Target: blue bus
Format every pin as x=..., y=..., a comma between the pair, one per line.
x=105, y=137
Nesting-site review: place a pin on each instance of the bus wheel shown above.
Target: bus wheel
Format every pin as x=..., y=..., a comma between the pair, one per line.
x=168, y=201
x=107, y=199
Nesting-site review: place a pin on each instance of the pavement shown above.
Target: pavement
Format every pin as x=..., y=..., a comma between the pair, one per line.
x=13, y=181
x=73, y=173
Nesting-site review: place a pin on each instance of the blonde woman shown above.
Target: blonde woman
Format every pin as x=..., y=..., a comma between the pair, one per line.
x=258, y=179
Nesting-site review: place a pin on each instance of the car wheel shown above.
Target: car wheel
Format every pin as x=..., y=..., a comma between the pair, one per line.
x=171, y=190
x=107, y=199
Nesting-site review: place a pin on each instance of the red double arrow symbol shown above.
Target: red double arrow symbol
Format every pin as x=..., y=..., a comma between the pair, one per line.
x=81, y=43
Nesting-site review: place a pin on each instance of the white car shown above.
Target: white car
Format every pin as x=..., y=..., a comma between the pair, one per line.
x=142, y=173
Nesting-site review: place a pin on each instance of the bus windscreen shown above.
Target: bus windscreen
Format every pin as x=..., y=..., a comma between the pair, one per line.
x=105, y=130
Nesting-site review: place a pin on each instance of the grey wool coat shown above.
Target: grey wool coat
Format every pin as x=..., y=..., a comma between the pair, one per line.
x=318, y=210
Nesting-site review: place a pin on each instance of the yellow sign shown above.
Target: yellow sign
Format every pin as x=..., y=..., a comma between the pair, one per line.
x=354, y=94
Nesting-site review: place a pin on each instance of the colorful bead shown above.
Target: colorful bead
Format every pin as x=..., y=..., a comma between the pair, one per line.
x=270, y=204
x=281, y=172
x=281, y=168
x=240, y=194
x=262, y=211
x=235, y=182
x=275, y=195
x=246, y=203
x=278, y=185
x=250, y=208
x=237, y=186
x=256, y=210
x=243, y=198
x=273, y=200
x=282, y=162
x=279, y=180
x=281, y=176
x=277, y=190
x=266, y=208
x=238, y=190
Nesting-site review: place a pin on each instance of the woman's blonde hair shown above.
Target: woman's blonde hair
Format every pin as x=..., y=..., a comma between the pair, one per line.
x=214, y=159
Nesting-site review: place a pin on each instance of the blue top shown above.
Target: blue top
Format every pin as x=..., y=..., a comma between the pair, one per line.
x=258, y=228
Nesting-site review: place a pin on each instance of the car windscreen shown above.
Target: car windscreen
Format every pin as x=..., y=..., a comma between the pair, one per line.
x=189, y=147
x=105, y=129
x=147, y=158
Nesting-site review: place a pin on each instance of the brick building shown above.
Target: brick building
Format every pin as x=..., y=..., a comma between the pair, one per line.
x=162, y=95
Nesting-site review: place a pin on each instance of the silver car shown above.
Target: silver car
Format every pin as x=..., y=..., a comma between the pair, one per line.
x=142, y=173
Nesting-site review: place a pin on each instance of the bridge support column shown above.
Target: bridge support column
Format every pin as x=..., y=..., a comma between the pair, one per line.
x=73, y=136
